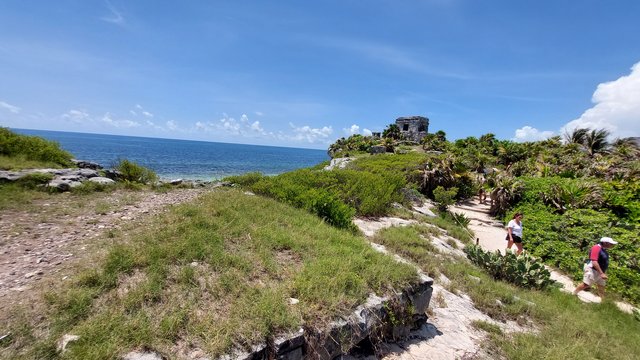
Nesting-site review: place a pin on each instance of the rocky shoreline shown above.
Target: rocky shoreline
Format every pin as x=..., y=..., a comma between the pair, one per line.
x=69, y=178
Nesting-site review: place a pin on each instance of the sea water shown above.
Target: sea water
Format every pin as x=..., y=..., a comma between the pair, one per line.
x=183, y=159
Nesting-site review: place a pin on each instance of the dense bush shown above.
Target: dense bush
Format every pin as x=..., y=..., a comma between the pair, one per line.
x=522, y=270
x=32, y=148
x=132, y=172
x=336, y=196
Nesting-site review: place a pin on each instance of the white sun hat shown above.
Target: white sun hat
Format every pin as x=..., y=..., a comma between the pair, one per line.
x=608, y=240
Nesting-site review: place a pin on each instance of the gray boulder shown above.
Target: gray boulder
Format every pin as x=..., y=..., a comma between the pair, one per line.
x=59, y=184
x=82, y=164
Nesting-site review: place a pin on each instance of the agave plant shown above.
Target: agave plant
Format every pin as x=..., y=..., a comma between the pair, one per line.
x=573, y=195
x=437, y=173
x=507, y=191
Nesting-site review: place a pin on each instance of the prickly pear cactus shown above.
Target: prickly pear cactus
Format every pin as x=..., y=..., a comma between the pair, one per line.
x=522, y=270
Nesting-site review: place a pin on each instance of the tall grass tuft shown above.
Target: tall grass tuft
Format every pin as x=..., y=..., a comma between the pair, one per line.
x=135, y=173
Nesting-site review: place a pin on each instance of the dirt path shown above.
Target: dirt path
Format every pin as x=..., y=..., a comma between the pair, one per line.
x=491, y=234
x=448, y=333
x=40, y=242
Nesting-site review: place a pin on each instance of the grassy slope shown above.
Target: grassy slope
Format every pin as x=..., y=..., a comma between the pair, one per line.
x=214, y=275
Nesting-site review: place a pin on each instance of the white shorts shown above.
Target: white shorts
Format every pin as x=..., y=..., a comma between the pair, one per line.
x=591, y=276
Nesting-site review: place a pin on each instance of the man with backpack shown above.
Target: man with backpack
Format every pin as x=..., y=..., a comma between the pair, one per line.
x=595, y=267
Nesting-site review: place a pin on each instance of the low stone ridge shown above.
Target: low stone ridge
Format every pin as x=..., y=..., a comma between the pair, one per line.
x=83, y=164
x=370, y=321
x=67, y=179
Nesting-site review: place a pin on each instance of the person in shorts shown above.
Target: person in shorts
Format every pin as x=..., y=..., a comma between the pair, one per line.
x=595, y=268
x=514, y=232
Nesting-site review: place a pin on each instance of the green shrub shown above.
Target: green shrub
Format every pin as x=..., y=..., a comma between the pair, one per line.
x=32, y=148
x=444, y=197
x=247, y=179
x=132, y=172
x=336, y=196
x=521, y=270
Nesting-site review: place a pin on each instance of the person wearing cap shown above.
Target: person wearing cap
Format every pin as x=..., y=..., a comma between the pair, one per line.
x=595, y=268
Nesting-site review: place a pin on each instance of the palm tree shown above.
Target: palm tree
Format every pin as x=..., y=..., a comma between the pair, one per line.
x=627, y=148
x=392, y=131
x=595, y=141
x=576, y=136
x=508, y=191
x=437, y=173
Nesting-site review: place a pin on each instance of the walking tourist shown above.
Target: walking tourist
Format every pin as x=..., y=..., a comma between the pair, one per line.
x=596, y=265
x=514, y=232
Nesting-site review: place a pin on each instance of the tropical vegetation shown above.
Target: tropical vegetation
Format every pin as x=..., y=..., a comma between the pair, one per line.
x=572, y=190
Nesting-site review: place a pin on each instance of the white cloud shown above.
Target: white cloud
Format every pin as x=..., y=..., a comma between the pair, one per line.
x=354, y=129
x=528, y=133
x=140, y=110
x=242, y=127
x=311, y=135
x=255, y=126
x=124, y=123
x=617, y=107
x=115, y=17
x=171, y=125
x=77, y=116
x=259, y=113
x=11, y=108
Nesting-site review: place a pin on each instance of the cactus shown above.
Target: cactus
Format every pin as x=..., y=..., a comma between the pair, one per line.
x=521, y=270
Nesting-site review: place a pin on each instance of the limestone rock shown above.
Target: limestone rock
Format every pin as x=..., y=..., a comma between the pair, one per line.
x=339, y=163
x=102, y=180
x=60, y=185
x=66, y=339
x=82, y=164
x=137, y=355
x=377, y=149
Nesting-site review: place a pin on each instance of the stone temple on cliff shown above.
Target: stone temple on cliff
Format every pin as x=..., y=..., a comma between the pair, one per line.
x=413, y=128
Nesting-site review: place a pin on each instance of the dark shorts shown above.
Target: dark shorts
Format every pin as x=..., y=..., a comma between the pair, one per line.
x=516, y=239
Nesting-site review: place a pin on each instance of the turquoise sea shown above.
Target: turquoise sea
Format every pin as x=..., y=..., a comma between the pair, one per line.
x=183, y=159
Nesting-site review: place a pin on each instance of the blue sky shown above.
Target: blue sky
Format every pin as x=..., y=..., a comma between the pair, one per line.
x=304, y=73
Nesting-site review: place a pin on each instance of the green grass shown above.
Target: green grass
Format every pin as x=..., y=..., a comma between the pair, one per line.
x=217, y=274
x=21, y=162
x=15, y=197
x=453, y=229
x=412, y=242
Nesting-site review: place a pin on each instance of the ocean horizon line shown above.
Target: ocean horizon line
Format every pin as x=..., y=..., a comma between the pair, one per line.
x=163, y=138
